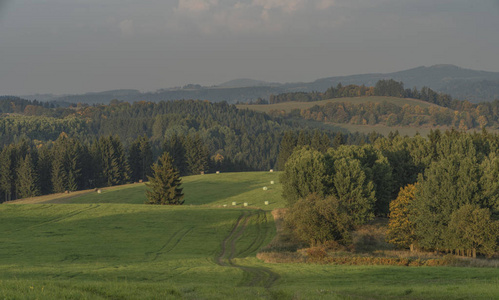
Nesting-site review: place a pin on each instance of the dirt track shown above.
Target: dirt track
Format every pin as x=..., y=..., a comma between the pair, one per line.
x=253, y=276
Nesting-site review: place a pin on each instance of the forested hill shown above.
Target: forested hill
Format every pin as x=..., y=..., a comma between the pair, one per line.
x=464, y=84
x=88, y=146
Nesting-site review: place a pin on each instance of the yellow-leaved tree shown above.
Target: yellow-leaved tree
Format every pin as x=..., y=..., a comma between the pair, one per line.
x=400, y=228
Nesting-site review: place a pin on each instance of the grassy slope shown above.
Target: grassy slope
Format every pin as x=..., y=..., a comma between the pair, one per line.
x=92, y=251
x=210, y=189
x=382, y=129
x=288, y=106
x=83, y=250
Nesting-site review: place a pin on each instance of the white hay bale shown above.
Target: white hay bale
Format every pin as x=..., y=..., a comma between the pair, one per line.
x=225, y=205
x=271, y=170
x=218, y=172
x=245, y=203
x=265, y=188
x=266, y=202
x=272, y=182
x=234, y=203
x=99, y=191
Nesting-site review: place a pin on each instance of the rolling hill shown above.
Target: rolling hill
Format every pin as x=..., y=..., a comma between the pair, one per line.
x=99, y=246
x=460, y=83
x=289, y=106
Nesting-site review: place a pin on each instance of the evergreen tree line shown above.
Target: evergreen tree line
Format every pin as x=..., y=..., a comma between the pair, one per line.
x=237, y=140
x=33, y=168
x=440, y=193
x=65, y=165
x=388, y=88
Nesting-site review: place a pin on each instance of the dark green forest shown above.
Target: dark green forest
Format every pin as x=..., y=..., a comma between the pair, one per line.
x=45, y=150
x=440, y=193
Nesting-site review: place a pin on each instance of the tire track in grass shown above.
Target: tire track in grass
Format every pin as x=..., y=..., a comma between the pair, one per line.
x=66, y=216
x=252, y=276
x=171, y=243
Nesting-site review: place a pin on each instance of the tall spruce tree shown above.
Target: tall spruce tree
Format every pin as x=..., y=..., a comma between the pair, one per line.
x=197, y=155
x=44, y=170
x=7, y=176
x=140, y=159
x=175, y=146
x=164, y=185
x=114, y=165
x=288, y=144
x=27, y=178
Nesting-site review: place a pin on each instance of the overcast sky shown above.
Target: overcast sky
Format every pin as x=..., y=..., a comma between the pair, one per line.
x=78, y=46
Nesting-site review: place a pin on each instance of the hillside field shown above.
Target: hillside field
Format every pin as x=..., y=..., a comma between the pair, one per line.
x=345, y=127
x=110, y=246
x=289, y=106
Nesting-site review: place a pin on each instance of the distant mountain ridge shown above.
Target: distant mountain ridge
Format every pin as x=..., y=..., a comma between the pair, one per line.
x=460, y=83
x=246, y=82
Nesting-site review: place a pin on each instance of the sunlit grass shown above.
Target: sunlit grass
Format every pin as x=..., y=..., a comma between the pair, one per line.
x=210, y=189
x=104, y=249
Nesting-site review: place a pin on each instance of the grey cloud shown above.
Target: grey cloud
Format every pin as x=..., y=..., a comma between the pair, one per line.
x=63, y=46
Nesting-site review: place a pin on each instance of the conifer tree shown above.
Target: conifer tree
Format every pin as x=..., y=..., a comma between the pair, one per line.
x=175, y=146
x=288, y=144
x=27, y=178
x=164, y=185
x=7, y=176
x=354, y=191
x=197, y=155
x=303, y=138
x=114, y=165
x=44, y=170
x=59, y=175
x=472, y=229
x=338, y=140
x=140, y=159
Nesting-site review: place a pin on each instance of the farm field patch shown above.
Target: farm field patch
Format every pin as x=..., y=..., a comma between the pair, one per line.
x=123, y=249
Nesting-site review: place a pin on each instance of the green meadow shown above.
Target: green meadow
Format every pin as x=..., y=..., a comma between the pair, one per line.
x=289, y=106
x=111, y=246
x=208, y=190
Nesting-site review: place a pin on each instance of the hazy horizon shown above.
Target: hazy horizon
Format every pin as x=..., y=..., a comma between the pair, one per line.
x=74, y=47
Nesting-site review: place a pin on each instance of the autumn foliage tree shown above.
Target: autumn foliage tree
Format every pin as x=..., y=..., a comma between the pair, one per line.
x=400, y=228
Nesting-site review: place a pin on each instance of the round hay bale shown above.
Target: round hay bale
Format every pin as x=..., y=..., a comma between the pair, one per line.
x=265, y=188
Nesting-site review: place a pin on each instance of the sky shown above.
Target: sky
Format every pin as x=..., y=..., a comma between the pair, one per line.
x=79, y=46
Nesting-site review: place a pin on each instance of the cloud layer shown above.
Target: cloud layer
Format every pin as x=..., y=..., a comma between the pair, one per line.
x=270, y=16
x=79, y=46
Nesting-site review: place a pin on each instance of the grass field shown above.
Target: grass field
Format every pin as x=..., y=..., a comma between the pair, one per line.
x=382, y=129
x=109, y=246
x=209, y=190
x=385, y=130
x=289, y=106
